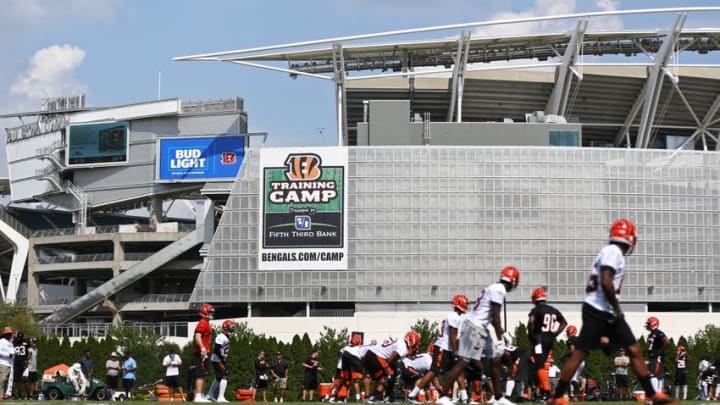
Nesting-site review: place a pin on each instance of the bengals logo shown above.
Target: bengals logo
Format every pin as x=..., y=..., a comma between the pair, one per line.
x=228, y=158
x=303, y=167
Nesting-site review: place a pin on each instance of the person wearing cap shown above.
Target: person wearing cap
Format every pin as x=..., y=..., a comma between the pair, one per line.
x=279, y=370
x=32, y=368
x=128, y=373
x=172, y=363
x=112, y=373
x=78, y=379
x=7, y=353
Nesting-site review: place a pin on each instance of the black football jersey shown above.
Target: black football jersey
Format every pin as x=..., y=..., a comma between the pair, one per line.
x=681, y=360
x=546, y=321
x=655, y=342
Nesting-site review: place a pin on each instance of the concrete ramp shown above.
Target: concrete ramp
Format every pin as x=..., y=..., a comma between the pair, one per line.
x=125, y=278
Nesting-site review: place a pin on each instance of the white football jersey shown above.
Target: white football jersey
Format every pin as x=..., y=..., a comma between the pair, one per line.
x=609, y=256
x=386, y=349
x=420, y=362
x=452, y=319
x=224, y=343
x=358, y=351
x=480, y=314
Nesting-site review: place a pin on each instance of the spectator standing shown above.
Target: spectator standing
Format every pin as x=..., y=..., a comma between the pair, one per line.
x=87, y=364
x=201, y=360
x=262, y=375
x=20, y=373
x=7, y=354
x=172, y=363
x=311, y=365
x=219, y=357
x=622, y=362
x=112, y=373
x=681, y=374
x=279, y=370
x=128, y=373
x=32, y=368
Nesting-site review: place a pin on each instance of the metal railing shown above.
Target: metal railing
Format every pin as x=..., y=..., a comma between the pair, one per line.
x=90, y=257
x=14, y=223
x=43, y=233
x=159, y=298
x=178, y=329
x=228, y=104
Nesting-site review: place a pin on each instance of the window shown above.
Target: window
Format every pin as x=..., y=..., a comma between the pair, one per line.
x=564, y=138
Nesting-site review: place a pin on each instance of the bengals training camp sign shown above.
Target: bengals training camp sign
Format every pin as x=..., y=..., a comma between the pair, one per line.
x=302, y=218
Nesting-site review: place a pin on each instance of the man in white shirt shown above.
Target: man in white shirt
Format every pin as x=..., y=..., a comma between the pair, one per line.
x=172, y=363
x=78, y=379
x=482, y=335
x=622, y=361
x=7, y=354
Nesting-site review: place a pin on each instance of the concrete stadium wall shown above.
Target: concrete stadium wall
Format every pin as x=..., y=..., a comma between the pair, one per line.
x=380, y=325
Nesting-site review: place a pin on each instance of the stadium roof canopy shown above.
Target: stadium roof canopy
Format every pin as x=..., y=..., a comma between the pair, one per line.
x=625, y=103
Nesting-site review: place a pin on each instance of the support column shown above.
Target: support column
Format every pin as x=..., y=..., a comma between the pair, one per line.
x=340, y=94
x=33, y=292
x=155, y=214
x=653, y=85
x=557, y=103
x=458, y=78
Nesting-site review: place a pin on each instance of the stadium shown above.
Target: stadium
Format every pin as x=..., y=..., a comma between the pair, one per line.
x=449, y=166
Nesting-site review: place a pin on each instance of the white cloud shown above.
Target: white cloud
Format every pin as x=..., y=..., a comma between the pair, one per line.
x=541, y=8
x=51, y=73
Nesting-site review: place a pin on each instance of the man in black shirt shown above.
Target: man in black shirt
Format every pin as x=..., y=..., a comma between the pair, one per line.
x=544, y=324
x=262, y=374
x=311, y=365
x=20, y=379
x=279, y=370
x=657, y=343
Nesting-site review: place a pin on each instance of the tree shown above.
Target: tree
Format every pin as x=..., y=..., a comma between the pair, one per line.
x=428, y=332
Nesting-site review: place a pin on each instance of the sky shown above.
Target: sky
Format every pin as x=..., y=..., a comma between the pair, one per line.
x=120, y=51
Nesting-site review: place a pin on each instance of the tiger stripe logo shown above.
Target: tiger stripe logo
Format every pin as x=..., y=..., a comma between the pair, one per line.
x=303, y=167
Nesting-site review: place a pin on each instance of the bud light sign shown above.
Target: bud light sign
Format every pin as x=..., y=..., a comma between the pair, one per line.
x=200, y=158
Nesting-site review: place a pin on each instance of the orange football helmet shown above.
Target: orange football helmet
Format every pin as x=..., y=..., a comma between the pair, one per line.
x=539, y=294
x=571, y=331
x=511, y=275
x=652, y=323
x=624, y=231
x=207, y=311
x=412, y=340
x=228, y=327
x=460, y=301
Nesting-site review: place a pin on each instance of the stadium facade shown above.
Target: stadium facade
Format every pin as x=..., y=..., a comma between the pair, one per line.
x=436, y=184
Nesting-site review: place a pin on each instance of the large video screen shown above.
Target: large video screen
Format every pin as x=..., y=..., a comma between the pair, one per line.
x=200, y=158
x=97, y=143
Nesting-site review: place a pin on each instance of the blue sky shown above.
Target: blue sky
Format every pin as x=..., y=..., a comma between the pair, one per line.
x=112, y=50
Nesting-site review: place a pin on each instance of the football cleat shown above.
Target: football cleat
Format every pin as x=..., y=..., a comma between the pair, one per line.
x=661, y=398
x=503, y=401
x=558, y=401
x=444, y=400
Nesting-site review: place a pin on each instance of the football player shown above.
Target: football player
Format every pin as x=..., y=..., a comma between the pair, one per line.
x=380, y=362
x=413, y=368
x=657, y=344
x=571, y=332
x=545, y=322
x=681, y=374
x=482, y=335
x=201, y=339
x=219, y=357
x=349, y=369
x=602, y=317
x=445, y=349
